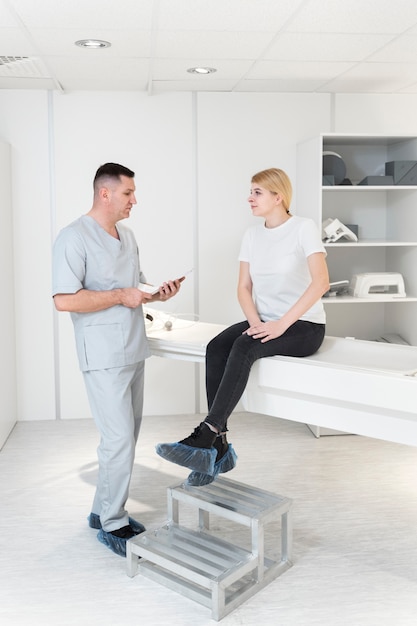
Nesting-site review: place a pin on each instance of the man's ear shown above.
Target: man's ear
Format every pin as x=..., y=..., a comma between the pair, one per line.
x=104, y=193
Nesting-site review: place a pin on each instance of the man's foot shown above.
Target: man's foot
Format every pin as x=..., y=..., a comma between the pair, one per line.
x=94, y=522
x=116, y=539
x=195, y=451
x=225, y=461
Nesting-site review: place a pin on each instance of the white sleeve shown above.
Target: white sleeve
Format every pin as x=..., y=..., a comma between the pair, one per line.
x=310, y=238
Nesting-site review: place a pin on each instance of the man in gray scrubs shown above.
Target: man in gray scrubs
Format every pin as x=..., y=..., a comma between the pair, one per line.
x=96, y=273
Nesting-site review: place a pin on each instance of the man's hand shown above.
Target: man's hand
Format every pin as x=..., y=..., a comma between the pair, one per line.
x=132, y=297
x=169, y=289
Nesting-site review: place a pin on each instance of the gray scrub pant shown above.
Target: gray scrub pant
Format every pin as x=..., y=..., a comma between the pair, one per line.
x=116, y=400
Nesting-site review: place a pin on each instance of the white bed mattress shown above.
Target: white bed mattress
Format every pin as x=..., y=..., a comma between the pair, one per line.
x=368, y=355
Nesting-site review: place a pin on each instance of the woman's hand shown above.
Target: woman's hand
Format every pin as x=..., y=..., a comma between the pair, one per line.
x=265, y=331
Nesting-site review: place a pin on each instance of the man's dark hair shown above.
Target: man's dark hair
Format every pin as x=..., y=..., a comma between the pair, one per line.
x=112, y=170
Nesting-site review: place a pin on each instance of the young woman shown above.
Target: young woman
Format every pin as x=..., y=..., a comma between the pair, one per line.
x=283, y=275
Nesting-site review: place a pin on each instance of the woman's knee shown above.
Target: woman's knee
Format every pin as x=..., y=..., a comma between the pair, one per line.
x=222, y=343
x=246, y=349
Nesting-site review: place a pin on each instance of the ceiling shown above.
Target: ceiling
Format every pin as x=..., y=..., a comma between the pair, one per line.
x=355, y=46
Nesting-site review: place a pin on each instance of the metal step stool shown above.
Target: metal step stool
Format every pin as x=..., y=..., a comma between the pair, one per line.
x=203, y=567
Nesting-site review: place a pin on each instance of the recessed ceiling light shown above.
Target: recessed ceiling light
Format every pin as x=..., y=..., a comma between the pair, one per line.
x=202, y=70
x=92, y=43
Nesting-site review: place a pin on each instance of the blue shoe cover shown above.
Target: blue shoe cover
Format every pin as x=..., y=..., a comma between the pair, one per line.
x=117, y=544
x=196, y=459
x=94, y=522
x=226, y=463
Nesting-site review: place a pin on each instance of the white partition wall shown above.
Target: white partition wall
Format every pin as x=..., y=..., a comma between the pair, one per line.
x=8, y=399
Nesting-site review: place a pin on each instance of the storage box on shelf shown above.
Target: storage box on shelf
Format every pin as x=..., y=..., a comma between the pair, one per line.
x=386, y=216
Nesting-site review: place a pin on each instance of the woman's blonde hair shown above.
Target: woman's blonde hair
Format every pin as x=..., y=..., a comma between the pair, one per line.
x=275, y=181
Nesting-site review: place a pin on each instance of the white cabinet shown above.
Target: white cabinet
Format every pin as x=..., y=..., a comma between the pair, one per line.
x=386, y=217
x=8, y=402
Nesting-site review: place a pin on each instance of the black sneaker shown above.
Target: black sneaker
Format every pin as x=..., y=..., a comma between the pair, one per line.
x=94, y=522
x=221, y=444
x=202, y=437
x=195, y=452
x=126, y=532
x=116, y=539
x=225, y=461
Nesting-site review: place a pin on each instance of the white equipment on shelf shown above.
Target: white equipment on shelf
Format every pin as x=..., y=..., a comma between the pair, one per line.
x=378, y=285
x=333, y=230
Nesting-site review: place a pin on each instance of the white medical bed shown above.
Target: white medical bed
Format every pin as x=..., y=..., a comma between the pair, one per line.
x=358, y=387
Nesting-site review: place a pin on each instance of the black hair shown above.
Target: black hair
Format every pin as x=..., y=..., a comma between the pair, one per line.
x=112, y=170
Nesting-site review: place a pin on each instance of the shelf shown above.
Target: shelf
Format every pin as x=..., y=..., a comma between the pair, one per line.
x=351, y=188
x=362, y=139
x=369, y=243
x=373, y=300
x=386, y=218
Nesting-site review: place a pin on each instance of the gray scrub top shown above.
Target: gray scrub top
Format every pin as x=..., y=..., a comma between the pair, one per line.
x=85, y=256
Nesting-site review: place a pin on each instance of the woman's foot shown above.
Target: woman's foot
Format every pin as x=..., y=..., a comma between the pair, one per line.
x=225, y=461
x=195, y=451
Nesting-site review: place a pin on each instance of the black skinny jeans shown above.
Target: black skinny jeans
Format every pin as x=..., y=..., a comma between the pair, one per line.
x=230, y=356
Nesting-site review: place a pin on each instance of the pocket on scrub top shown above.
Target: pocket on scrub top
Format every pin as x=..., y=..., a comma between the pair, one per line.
x=104, y=346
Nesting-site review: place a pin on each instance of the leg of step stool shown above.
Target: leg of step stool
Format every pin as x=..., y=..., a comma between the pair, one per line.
x=132, y=560
x=218, y=601
x=257, y=531
x=172, y=507
x=286, y=536
x=203, y=519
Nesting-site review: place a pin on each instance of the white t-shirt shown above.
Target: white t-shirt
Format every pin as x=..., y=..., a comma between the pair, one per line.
x=278, y=266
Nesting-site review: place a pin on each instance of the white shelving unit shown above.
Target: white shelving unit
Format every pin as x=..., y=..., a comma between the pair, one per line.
x=387, y=220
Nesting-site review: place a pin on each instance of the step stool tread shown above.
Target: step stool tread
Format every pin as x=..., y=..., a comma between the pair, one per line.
x=194, y=555
x=230, y=499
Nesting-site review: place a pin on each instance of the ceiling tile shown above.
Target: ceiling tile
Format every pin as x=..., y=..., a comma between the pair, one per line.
x=176, y=69
x=62, y=42
x=294, y=70
x=227, y=15
x=355, y=16
x=15, y=42
x=325, y=46
x=375, y=78
x=282, y=86
x=160, y=86
x=214, y=44
x=95, y=14
x=403, y=49
x=94, y=74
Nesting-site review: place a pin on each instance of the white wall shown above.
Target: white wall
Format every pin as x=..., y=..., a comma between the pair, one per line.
x=152, y=136
x=372, y=113
x=8, y=392
x=24, y=124
x=239, y=135
x=193, y=156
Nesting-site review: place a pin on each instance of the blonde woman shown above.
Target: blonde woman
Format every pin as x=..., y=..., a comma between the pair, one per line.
x=283, y=275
